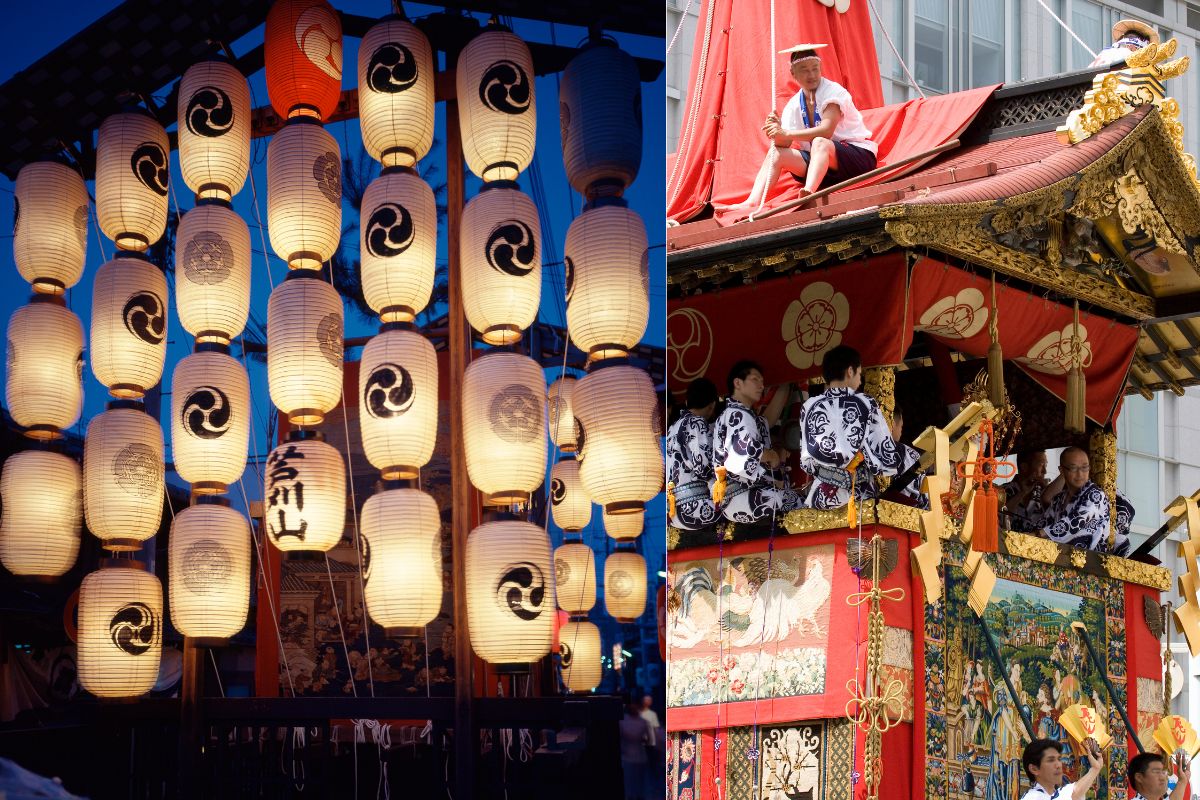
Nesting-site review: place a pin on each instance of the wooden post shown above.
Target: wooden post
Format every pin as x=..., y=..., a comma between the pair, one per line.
x=191, y=723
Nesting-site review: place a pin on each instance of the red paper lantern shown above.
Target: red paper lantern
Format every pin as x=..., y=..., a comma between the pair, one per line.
x=303, y=54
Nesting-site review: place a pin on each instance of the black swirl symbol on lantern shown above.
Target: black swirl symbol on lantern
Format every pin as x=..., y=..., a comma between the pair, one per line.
x=515, y=414
x=138, y=470
x=132, y=628
x=16, y=214
x=327, y=171
x=579, y=441
x=207, y=258
x=329, y=338
x=81, y=222
x=392, y=68
x=504, y=87
x=206, y=412
x=565, y=654
x=149, y=163
x=562, y=572
x=558, y=491
x=510, y=248
x=207, y=565
x=521, y=590
x=364, y=552
x=145, y=317
x=209, y=112
x=390, y=231
x=569, y=268
x=389, y=391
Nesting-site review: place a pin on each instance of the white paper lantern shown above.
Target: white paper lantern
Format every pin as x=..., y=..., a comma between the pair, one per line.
x=396, y=92
x=132, y=172
x=120, y=630
x=129, y=325
x=579, y=655
x=123, y=476
x=624, y=527
x=501, y=251
x=601, y=120
x=570, y=505
x=41, y=494
x=401, y=550
x=575, y=577
x=608, y=281
x=212, y=272
x=504, y=426
x=398, y=244
x=304, y=348
x=304, y=194
x=616, y=422
x=50, y=226
x=559, y=414
x=398, y=402
x=305, y=495
x=210, y=420
x=209, y=562
x=45, y=366
x=625, y=585
x=496, y=108
x=214, y=129
x=510, y=592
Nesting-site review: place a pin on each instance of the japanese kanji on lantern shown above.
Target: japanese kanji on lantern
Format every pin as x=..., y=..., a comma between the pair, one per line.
x=570, y=506
x=504, y=426
x=600, y=115
x=398, y=401
x=500, y=246
x=559, y=414
x=625, y=585
x=209, y=563
x=214, y=129
x=496, y=108
x=40, y=496
x=129, y=325
x=210, y=419
x=398, y=244
x=304, y=496
x=304, y=347
x=132, y=174
x=50, y=225
x=575, y=577
x=120, y=630
x=396, y=92
x=304, y=194
x=44, y=387
x=302, y=52
x=401, y=553
x=212, y=272
x=579, y=655
x=123, y=476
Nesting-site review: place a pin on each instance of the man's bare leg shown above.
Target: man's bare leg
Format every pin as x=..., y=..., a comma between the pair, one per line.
x=776, y=160
x=822, y=158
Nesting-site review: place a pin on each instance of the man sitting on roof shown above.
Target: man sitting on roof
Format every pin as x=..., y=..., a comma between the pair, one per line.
x=820, y=138
x=1129, y=36
x=1077, y=510
x=689, y=459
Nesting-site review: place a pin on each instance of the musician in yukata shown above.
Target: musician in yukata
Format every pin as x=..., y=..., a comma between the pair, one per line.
x=845, y=441
x=689, y=458
x=1023, y=494
x=906, y=490
x=742, y=445
x=1042, y=760
x=1077, y=510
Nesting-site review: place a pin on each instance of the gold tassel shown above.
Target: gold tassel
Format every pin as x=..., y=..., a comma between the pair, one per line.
x=995, y=356
x=1076, y=418
x=718, y=490
x=851, y=509
x=670, y=498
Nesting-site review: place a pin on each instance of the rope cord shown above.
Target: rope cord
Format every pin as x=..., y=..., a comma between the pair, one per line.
x=887, y=37
x=674, y=180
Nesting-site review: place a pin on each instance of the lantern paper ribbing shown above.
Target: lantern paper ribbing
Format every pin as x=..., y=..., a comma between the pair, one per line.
x=623, y=527
x=625, y=586
x=50, y=226
x=396, y=93
x=214, y=129
x=132, y=171
x=398, y=245
x=569, y=503
x=608, y=281
x=561, y=418
x=575, y=577
x=398, y=402
x=212, y=273
x=304, y=353
x=304, y=194
x=620, y=462
x=129, y=325
x=579, y=651
x=210, y=420
x=502, y=264
x=504, y=426
x=600, y=116
x=302, y=52
x=45, y=363
x=305, y=496
x=123, y=477
x=402, y=558
x=39, y=527
x=496, y=106
x=209, y=562
x=120, y=631
x=510, y=594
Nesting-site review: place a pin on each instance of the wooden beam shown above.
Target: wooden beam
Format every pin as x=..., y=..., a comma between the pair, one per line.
x=1176, y=307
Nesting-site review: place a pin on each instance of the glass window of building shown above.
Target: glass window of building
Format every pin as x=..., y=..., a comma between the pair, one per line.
x=931, y=57
x=986, y=19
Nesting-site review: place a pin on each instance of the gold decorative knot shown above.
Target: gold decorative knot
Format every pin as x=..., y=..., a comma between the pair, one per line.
x=875, y=712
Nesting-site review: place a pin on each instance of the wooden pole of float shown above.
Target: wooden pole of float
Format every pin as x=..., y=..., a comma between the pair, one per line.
x=994, y=652
x=1113, y=699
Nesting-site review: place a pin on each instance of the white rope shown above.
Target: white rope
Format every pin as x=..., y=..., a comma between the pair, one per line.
x=1067, y=28
x=895, y=52
x=773, y=58
x=678, y=27
x=674, y=180
x=337, y=610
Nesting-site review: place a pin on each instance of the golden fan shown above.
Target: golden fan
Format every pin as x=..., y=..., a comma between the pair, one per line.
x=1082, y=722
x=1176, y=733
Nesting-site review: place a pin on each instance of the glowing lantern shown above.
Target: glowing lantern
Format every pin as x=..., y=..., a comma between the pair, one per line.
x=210, y=419
x=504, y=426
x=123, y=476
x=569, y=504
x=601, y=120
x=129, y=325
x=396, y=92
x=212, y=272
x=625, y=585
x=305, y=494
x=579, y=655
x=608, y=280
x=132, y=171
x=304, y=352
x=562, y=420
x=39, y=527
x=209, y=561
x=496, y=107
x=50, y=226
x=45, y=365
x=304, y=194
x=398, y=244
x=624, y=527
x=398, y=396
x=616, y=421
x=120, y=630
x=302, y=49
x=502, y=263
x=510, y=592
x=575, y=577
x=214, y=129
x=401, y=551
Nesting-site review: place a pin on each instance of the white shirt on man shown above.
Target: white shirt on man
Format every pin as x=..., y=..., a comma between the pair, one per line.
x=1063, y=792
x=850, y=128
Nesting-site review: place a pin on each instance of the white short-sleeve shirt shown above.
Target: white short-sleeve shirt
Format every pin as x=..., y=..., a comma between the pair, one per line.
x=1063, y=792
x=850, y=129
